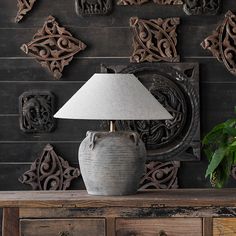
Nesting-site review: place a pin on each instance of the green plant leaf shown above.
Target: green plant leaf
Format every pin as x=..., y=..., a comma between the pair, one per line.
x=208, y=152
x=233, y=143
x=230, y=131
x=216, y=159
x=224, y=170
x=213, y=134
x=230, y=122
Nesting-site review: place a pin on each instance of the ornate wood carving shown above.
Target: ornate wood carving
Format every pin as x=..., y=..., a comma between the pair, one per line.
x=53, y=47
x=36, y=111
x=93, y=7
x=176, y=87
x=24, y=6
x=168, y=2
x=198, y=7
x=222, y=42
x=50, y=172
x=160, y=175
x=140, y=2
x=154, y=40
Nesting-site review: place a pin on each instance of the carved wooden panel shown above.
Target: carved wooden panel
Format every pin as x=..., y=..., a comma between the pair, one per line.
x=176, y=87
x=93, y=7
x=36, y=111
x=198, y=7
x=50, y=172
x=154, y=40
x=24, y=6
x=140, y=2
x=222, y=42
x=160, y=175
x=53, y=47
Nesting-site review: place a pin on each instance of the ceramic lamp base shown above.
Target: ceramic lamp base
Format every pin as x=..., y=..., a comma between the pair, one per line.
x=112, y=163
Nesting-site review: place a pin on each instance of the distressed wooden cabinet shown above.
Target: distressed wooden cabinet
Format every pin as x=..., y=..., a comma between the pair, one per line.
x=181, y=212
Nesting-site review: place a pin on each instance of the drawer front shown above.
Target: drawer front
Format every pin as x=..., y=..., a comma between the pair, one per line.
x=224, y=226
x=62, y=227
x=159, y=227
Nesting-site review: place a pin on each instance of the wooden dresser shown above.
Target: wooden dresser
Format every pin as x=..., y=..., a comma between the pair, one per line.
x=191, y=212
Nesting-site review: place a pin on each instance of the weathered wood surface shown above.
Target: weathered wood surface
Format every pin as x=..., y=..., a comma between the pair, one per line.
x=131, y=212
x=159, y=198
x=10, y=222
x=224, y=226
x=51, y=227
x=148, y=227
x=207, y=224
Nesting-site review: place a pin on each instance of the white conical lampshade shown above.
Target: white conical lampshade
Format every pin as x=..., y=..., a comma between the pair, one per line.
x=113, y=97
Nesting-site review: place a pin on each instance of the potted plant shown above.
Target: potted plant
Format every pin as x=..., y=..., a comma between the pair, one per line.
x=219, y=146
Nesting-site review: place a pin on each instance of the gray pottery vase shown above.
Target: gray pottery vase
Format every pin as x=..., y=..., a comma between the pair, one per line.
x=112, y=163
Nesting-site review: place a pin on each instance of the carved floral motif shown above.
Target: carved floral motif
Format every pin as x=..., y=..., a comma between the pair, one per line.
x=198, y=7
x=36, y=111
x=49, y=172
x=93, y=7
x=160, y=175
x=24, y=6
x=154, y=40
x=53, y=47
x=140, y=2
x=222, y=42
x=175, y=86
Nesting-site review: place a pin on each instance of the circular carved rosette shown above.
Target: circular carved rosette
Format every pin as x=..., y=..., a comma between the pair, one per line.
x=166, y=139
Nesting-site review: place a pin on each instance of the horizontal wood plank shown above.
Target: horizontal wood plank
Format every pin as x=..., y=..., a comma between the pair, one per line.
x=81, y=69
x=28, y=152
x=161, y=198
x=84, y=227
x=120, y=39
x=11, y=172
x=66, y=130
x=224, y=226
x=147, y=227
x=131, y=212
x=65, y=12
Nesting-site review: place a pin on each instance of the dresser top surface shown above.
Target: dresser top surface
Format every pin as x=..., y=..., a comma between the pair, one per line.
x=160, y=198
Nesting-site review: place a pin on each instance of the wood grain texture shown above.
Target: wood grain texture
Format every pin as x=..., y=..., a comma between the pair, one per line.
x=70, y=227
x=159, y=198
x=10, y=224
x=170, y=227
x=207, y=226
x=131, y=212
x=224, y=226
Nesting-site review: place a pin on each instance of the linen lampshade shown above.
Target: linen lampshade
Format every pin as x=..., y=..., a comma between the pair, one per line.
x=113, y=97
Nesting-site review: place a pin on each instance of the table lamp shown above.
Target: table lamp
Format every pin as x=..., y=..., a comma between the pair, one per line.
x=112, y=163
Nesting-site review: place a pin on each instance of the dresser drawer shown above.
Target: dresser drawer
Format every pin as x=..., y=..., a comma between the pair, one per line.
x=159, y=227
x=62, y=227
x=224, y=226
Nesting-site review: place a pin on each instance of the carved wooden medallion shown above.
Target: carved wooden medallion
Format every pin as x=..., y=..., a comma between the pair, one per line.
x=36, y=111
x=198, y=7
x=93, y=7
x=53, y=47
x=176, y=87
x=50, y=172
x=24, y=6
x=160, y=175
x=140, y=2
x=222, y=42
x=154, y=40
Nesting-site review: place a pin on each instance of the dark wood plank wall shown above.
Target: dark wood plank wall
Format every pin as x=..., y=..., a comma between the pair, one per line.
x=109, y=42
